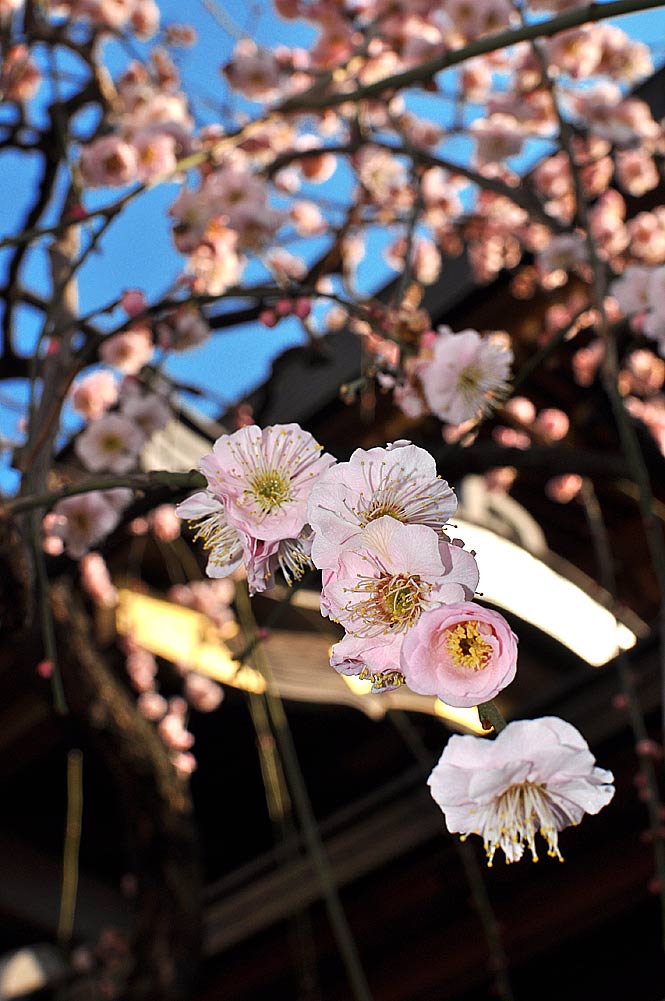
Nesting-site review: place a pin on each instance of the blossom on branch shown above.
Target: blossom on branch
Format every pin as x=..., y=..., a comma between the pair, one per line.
x=400, y=481
x=464, y=653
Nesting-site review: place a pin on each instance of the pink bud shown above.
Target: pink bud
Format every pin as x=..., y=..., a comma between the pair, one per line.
x=302, y=308
x=563, y=489
x=268, y=318
x=283, y=307
x=133, y=301
x=620, y=702
x=552, y=424
x=185, y=763
x=649, y=749
x=53, y=348
x=521, y=409
x=77, y=213
x=45, y=668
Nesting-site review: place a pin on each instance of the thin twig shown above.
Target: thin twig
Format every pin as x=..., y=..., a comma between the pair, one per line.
x=70, y=858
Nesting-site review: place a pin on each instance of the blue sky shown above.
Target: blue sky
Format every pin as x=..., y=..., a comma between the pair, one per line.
x=137, y=251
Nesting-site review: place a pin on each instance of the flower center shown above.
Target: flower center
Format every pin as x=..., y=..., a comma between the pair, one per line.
x=381, y=508
x=467, y=647
x=393, y=605
x=270, y=488
x=514, y=819
x=468, y=379
x=111, y=443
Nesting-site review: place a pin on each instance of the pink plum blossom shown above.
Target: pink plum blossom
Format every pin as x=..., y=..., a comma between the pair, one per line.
x=94, y=394
x=128, y=351
x=83, y=521
x=464, y=653
x=632, y=290
x=155, y=154
x=214, y=263
x=393, y=574
x=183, y=329
x=253, y=72
x=536, y=776
x=552, y=424
x=108, y=162
x=497, y=138
x=111, y=443
x=563, y=489
x=400, y=481
x=465, y=375
x=152, y=705
x=264, y=478
x=636, y=172
x=133, y=301
x=263, y=559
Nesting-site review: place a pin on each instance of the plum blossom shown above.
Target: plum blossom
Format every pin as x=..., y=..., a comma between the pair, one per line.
x=536, y=776
x=253, y=72
x=108, y=162
x=465, y=374
x=94, y=394
x=128, y=351
x=183, y=329
x=498, y=138
x=82, y=521
x=381, y=587
x=164, y=523
x=464, y=653
x=110, y=443
x=264, y=478
x=632, y=289
x=202, y=693
x=400, y=481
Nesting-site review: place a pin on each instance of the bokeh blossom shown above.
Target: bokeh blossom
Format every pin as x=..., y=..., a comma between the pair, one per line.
x=463, y=375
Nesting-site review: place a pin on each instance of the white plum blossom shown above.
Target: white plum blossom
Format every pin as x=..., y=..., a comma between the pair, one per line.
x=537, y=776
x=400, y=481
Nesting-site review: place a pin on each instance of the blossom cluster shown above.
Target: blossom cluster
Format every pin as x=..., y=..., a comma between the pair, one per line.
x=377, y=528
